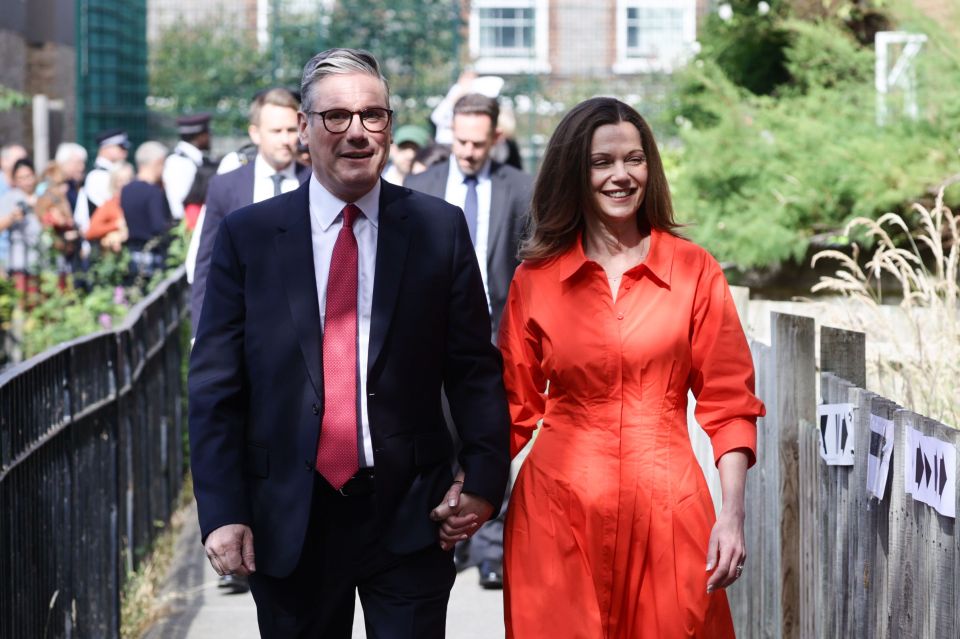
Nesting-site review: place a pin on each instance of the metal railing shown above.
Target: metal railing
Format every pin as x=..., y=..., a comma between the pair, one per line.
x=91, y=463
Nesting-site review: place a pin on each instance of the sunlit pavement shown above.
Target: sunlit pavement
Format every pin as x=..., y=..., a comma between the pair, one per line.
x=197, y=609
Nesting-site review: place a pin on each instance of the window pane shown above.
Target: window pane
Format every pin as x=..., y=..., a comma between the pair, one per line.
x=507, y=32
x=654, y=32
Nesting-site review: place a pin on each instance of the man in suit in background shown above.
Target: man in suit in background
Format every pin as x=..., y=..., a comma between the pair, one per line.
x=333, y=316
x=273, y=128
x=496, y=201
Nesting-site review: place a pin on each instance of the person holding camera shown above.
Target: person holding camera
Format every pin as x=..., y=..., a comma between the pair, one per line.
x=21, y=227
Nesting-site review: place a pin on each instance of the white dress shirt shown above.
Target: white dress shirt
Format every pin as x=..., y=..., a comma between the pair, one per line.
x=96, y=189
x=456, y=194
x=325, y=224
x=263, y=179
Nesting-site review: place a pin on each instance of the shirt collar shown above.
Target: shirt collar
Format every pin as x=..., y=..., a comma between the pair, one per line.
x=325, y=206
x=659, y=260
x=261, y=169
x=194, y=154
x=457, y=175
x=103, y=163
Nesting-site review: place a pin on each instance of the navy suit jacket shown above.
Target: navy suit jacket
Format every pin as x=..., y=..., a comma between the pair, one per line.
x=227, y=192
x=510, y=195
x=256, y=375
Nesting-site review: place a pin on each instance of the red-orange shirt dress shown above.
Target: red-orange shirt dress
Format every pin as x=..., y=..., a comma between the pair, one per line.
x=609, y=521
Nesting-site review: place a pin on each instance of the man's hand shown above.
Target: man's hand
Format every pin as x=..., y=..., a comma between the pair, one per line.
x=230, y=550
x=461, y=514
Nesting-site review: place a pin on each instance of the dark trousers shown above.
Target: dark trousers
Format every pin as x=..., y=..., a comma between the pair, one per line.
x=403, y=596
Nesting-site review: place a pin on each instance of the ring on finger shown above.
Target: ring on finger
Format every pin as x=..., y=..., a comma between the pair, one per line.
x=739, y=570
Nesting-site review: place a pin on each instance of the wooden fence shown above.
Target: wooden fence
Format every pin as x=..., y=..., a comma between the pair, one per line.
x=824, y=560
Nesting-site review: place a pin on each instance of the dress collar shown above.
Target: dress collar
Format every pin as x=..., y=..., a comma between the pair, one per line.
x=659, y=260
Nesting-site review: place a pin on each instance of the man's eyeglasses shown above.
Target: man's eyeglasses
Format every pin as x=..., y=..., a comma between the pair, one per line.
x=373, y=120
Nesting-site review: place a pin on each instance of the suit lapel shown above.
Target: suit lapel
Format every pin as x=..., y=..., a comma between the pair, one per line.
x=499, y=199
x=392, y=242
x=294, y=247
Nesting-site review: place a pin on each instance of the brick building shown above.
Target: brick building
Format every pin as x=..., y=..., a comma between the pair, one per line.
x=564, y=39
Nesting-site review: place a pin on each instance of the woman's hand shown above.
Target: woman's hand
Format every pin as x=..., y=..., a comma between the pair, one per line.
x=726, y=550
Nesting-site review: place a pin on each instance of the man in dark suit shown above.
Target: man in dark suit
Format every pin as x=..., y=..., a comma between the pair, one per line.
x=332, y=317
x=496, y=200
x=273, y=128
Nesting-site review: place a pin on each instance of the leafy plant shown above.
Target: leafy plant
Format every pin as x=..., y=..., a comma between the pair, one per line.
x=763, y=177
x=62, y=311
x=10, y=98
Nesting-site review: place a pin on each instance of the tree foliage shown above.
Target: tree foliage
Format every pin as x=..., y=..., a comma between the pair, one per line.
x=205, y=67
x=761, y=176
x=415, y=40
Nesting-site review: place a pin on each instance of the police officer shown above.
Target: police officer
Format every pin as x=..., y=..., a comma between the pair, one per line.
x=188, y=157
x=112, y=147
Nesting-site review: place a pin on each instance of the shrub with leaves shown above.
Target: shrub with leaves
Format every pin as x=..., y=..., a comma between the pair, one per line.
x=764, y=176
x=62, y=313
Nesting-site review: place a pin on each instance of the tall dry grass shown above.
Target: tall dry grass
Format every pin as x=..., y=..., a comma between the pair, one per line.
x=916, y=361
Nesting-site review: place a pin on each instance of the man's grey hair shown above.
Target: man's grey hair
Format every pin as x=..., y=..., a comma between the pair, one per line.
x=69, y=150
x=338, y=61
x=150, y=151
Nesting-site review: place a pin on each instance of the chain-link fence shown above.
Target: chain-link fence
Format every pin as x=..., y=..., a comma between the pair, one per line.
x=111, y=68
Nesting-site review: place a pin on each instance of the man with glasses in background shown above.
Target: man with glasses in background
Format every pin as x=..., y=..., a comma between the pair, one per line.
x=333, y=316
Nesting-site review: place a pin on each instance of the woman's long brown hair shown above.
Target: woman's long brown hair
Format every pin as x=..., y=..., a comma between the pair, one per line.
x=562, y=194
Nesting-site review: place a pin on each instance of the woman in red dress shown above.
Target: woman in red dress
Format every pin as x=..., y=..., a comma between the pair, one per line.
x=611, y=319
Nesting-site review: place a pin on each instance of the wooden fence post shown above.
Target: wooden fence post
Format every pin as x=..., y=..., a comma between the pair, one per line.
x=792, y=340
x=880, y=518
x=937, y=556
x=844, y=353
x=863, y=520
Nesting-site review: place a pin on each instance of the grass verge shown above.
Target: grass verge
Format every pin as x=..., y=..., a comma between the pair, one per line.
x=140, y=603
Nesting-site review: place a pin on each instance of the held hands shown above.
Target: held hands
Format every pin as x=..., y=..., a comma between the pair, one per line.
x=726, y=551
x=230, y=550
x=460, y=514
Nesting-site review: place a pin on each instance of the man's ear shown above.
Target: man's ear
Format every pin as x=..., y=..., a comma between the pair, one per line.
x=254, y=132
x=302, y=128
x=497, y=135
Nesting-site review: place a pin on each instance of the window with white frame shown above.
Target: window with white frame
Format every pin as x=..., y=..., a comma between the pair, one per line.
x=654, y=35
x=509, y=36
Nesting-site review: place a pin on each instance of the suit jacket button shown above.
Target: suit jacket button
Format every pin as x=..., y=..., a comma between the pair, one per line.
x=308, y=464
x=316, y=409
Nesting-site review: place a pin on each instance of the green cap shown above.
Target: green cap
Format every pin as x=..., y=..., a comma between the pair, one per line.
x=411, y=133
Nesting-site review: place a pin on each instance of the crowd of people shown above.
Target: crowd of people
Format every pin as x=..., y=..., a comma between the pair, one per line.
x=64, y=219
x=117, y=205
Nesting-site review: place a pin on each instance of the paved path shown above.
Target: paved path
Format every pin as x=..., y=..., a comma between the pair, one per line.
x=198, y=610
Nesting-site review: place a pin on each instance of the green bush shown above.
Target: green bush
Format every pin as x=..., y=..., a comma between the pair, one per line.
x=759, y=177
x=62, y=311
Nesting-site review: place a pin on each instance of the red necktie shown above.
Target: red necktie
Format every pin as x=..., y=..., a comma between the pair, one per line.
x=337, y=458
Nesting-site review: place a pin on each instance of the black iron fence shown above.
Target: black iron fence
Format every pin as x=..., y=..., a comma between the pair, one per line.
x=91, y=463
